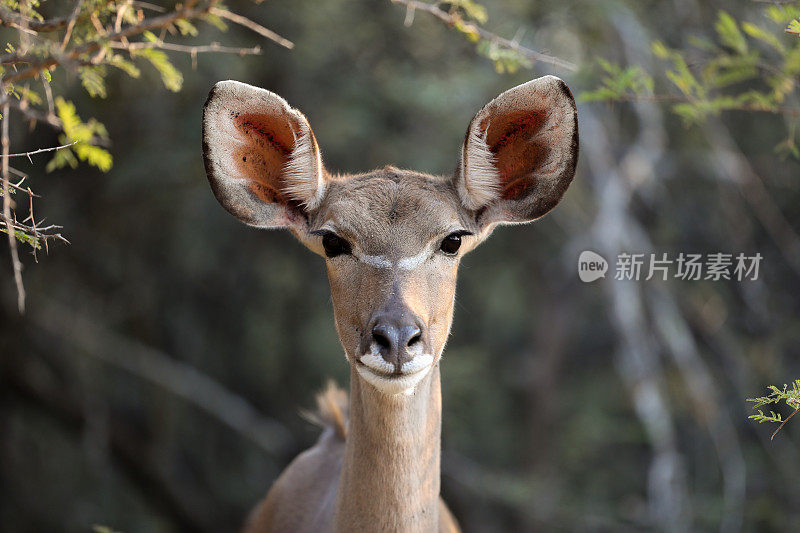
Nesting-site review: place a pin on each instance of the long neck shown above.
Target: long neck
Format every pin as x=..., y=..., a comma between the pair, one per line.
x=390, y=474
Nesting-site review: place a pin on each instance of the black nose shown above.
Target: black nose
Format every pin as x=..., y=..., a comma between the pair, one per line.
x=397, y=336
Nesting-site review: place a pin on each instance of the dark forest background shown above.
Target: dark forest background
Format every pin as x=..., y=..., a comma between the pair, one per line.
x=155, y=381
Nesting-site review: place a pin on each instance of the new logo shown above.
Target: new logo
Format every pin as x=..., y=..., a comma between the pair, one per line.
x=591, y=266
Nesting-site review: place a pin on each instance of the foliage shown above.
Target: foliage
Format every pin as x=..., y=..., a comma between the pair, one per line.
x=468, y=17
x=791, y=396
x=619, y=82
x=79, y=136
x=744, y=66
x=90, y=42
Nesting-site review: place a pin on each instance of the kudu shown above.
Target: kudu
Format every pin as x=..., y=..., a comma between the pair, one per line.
x=392, y=241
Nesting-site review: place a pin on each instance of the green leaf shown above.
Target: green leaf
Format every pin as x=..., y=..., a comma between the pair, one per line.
x=123, y=64
x=93, y=80
x=472, y=10
x=783, y=14
x=30, y=95
x=186, y=28
x=82, y=134
x=725, y=70
x=619, y=83
x=217, y=22
x=94, y=155
x=729, y=33
x=30, y=240
x=763, y=35
x=170, y=76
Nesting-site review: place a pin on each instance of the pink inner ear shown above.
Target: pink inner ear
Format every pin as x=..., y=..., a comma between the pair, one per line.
x=521, y=149
x=260, y=159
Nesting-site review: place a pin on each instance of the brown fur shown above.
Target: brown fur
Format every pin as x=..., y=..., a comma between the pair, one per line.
x=376, y=464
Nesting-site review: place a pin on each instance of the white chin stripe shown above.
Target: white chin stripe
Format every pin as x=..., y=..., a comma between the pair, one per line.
x=392, y=384
x=377, y=363
x=417, y=364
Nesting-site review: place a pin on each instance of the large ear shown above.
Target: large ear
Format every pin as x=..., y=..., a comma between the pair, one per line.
x=261, y=156
x=519, y=153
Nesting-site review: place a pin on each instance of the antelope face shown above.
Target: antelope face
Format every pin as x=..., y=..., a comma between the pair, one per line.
x=392, y=239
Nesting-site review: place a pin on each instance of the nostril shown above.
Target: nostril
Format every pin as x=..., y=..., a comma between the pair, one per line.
x=414, y=339
x=381, y=339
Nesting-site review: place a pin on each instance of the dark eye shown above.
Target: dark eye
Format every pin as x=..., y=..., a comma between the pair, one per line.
x=451, y=244
x=334, y=245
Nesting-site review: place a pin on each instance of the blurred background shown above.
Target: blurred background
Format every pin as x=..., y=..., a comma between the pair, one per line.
x=155, y=381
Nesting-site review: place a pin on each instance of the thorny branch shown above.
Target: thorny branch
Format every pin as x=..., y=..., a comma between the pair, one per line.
x=36, y=56
x=453, y=19
x=39, y=151
x=7, y=220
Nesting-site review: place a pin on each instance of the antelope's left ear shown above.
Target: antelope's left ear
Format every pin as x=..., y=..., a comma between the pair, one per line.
x=261, y=157
x=519, y=154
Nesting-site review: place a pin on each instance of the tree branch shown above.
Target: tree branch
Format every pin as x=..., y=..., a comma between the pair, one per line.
x=190, y=49
x=9, y=222
x=9, y=18
x=40, y=150
x=188, y=10
x=451, y=20
x=250, y=25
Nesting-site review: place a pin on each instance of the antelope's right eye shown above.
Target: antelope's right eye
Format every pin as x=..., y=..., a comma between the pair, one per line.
x=334, y=245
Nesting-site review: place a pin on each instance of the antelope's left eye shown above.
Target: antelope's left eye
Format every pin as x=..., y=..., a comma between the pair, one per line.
x=451, y=244
x=334, y=245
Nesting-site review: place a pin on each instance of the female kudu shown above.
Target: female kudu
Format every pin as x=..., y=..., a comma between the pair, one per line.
x=392, y=240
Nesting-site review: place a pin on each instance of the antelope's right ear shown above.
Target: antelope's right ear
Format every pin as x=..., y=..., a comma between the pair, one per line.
x=519, y=153
x=261, y=157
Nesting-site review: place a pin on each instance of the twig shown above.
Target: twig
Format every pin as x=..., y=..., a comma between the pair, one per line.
x=250, y=25
x=209, y=48
x=9, y=18
x=39, y=229
x=120, y=13
x=40, y=150
x=71, y=23
x=784, y=423
x=451, y=20
x=149, y=6
x=14, y=59
x=32, y=114
x=51, y=110
x=12, y=239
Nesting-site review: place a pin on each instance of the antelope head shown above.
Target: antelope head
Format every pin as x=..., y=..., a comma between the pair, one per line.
x=392, y=239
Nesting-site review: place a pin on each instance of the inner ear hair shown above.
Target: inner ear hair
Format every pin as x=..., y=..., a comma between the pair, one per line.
x=478, y=161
